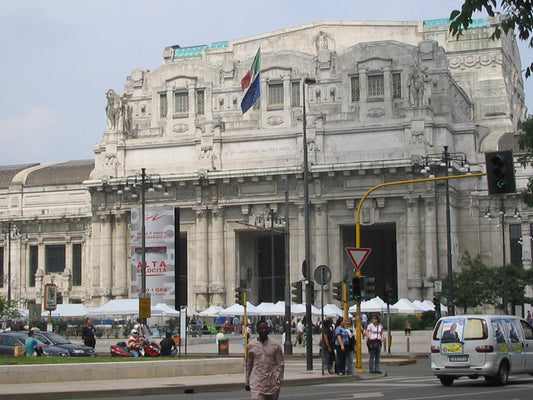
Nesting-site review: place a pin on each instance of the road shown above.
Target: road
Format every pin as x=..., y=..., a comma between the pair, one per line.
x=408, y=382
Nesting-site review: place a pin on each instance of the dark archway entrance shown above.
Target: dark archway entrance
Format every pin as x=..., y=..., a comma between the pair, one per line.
x=382, y=262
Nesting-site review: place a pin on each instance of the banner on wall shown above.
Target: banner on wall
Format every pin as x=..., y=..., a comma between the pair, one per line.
x=159, y=253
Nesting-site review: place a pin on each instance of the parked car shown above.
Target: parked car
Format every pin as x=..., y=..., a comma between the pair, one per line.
x=491, y=346
x=8, y=340
x=74, y=350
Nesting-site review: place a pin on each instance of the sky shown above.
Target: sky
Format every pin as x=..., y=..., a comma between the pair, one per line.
x=59, y=57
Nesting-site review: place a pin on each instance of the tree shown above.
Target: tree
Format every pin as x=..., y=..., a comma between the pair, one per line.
x=8, y=311
x=518, y=15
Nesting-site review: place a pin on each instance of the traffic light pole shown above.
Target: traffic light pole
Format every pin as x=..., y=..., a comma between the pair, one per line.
x=359, y=361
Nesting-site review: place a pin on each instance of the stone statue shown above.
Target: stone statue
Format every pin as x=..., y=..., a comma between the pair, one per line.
x=118, y=112
x=416, y=85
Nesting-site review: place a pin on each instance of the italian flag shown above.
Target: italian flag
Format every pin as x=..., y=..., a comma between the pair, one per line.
x=252, y=72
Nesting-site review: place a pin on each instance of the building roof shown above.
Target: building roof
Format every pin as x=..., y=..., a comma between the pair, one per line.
x=7, y=172
x=69, y=172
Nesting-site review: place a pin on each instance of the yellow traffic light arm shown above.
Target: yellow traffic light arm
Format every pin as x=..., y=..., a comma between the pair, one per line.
x=359, y=361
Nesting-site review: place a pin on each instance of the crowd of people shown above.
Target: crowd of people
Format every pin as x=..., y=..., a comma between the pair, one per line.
x=338, y=343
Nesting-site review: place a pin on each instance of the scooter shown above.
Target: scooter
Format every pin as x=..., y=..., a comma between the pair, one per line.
x=148, y=349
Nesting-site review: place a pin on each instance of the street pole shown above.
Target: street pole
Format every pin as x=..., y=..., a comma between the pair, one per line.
x=272, y=255
x=143, y=231
x=504, y=269
x=9, y=227
x=287, y=346
x=451, y=307
x=309, y=327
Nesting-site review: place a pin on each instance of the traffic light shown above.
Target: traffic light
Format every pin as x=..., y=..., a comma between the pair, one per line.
x=338, y=292
x=239, y=296
x=357, y=288
x=350, y=292
x=387, y=294
x=370, y=287
x=500, y=172
x=311, y=288
x=436, y=303
x=297, y=292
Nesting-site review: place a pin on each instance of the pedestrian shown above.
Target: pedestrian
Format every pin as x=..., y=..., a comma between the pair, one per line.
x=528, y=318
x=327, y=345
x=407, y=328
x=168, y=346
x=88, y=333
x=31, y=347
x=374, y=335
x=342, y=339
x=350, y=349
x=300, y=329
x=264, y=366
x=364, y=321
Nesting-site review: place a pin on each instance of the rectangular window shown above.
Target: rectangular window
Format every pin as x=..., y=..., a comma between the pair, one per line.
x=515, y=239
x=295, y=94
x=375, y=86
x=200, y=101
x=163, y=105
x=396, y=85
x=2, y=269
x=355, y=88
x=181, y=102
x=275, y=94
x=76, y=264
x=34, y=264
x=55, y=258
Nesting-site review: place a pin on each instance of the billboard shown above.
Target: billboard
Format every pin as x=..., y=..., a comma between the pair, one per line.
x=159, y=253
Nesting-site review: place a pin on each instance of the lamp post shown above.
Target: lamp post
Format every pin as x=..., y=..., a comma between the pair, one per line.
x=272, y=255
x=287, y=346
x=445, y=160
x=140, y=181
x=504, y=269
x=309, y=287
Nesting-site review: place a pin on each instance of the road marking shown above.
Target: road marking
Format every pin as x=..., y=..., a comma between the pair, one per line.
x=367, y=395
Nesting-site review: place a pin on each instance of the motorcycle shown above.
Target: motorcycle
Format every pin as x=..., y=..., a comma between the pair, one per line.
x=148, y=349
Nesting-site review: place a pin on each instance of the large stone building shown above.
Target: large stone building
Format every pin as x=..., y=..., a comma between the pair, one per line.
x=389, y=98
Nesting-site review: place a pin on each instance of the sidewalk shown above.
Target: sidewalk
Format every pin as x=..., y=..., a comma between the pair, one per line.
x=296, y=373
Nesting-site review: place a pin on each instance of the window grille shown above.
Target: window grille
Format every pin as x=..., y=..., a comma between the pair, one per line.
x=375, y=86
x=181, y=102
x=275, y=94
x=355, y=88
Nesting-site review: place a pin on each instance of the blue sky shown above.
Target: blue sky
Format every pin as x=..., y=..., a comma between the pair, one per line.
x=59, y=57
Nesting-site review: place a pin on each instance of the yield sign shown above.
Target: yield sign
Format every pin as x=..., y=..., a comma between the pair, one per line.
x=358, y=256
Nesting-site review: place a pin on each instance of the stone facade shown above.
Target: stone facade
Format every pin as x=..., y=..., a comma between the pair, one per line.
x=388, y=97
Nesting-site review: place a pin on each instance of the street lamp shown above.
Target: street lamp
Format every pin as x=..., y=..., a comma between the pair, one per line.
x=141, y=180
x=309, y=287
x=445, y=160
x=272, y=255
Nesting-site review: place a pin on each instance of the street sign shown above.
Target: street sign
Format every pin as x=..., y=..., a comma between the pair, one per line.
x=322, y=274
x=358, y=256
x=438, y=286
x=50, y=297
x=145, y=309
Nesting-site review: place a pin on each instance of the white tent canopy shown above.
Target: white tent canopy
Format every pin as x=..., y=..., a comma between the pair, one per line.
x=375, y=305
x=211, y=311
x=331, y=310
x=423, y=306
x=168, y=311
x=238, y=309
x=404, y=306
x=300, y=309
x=68, y=311
x=266, y=308
x=121, y=307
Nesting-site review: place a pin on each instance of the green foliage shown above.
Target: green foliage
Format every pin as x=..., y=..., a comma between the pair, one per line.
x=428, y=319
x=518, y=16
x=61, y=326
x=8, y=311
x=476, y=284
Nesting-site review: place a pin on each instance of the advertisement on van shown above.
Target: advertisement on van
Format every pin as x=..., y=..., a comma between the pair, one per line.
x=451, y=341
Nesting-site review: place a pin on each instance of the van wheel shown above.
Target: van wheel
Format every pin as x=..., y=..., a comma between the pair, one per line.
x=446, y=380
x=501, y=377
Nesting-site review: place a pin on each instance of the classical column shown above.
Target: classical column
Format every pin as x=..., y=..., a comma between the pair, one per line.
x=121, y=264
x=321, y=236
x=201, y=261
x=430, y=236
x=106, y=255
x=413, y=245
x=217, y=264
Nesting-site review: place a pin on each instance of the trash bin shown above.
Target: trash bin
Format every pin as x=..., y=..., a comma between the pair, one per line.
x=223, y=347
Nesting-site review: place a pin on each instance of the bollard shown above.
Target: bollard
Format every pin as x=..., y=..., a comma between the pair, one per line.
x=223, y=347
x=408, y=344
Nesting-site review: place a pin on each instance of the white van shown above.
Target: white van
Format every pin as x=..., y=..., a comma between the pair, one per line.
x=492, y=346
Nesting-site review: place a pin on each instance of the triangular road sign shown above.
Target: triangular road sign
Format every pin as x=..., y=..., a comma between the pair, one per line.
x=358, y=256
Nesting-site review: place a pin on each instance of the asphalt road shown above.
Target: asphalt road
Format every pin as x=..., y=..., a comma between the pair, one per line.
x=408, y=382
